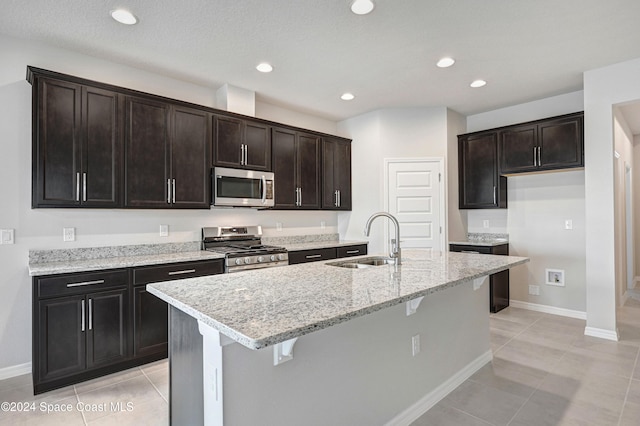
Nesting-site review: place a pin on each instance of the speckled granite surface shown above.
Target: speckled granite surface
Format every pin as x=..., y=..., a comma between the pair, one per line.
x=49, y=262
x=265, y=307
x=484, y=239
x=309, y=242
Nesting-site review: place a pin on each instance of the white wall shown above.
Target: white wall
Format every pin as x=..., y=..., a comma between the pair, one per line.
x=42, y=228
x=538, y=205
x=389, y=133
x=603, y=89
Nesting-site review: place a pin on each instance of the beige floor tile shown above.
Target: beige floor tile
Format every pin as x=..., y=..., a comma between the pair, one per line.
x=634, y=393
x=530, y=354
x=442, y=415
x=151, y=413
x=497, y=323
x=135, y=391
x=64, y=413
x=16, y=382
x=489, y=404
x=509, y=377
x=630, y=415
x=163, y=364
x=160, y=379
x=517, y=315
x=25, y=393
x=499, y=338
x=100, y=382
x=579, y=361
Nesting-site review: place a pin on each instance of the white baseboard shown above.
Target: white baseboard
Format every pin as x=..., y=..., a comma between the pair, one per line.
x=602, y=333
x=425, y=403
x=548, y=309
x=15, y=370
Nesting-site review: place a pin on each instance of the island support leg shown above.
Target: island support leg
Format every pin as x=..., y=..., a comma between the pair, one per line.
x=212, y=377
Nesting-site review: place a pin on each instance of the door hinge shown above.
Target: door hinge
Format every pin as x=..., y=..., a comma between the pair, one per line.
x=441, y=229
x=439, y=177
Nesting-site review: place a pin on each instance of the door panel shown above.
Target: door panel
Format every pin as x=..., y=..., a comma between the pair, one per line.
x=228, y=138
x=309, y=170
x=150, y=323
x=258, y=142
x=106, y=326
x=284, y=168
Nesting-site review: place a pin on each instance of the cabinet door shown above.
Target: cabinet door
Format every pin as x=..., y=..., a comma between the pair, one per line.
x=284, y=168
x=257, y=140
x=150, y=323
x=56, y=144
x=314, y=255
x=308, y=159
x=147, y=150
x=190, y=167
x=228, y=139
x=61, y=337
x=106, y=327
x=101, y=149
x=479, y=184
x=518, y=149
x=336, y=175
x=561, y=143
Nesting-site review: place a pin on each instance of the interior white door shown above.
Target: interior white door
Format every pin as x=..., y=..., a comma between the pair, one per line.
x=415, y=199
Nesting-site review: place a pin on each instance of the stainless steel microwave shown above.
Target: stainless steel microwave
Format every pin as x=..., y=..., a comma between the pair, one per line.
x=242, y=188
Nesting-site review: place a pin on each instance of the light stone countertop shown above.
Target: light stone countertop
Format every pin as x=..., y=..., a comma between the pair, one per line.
x=481, y=243
x=264, y=307
x=320, y=245
x=84, y=265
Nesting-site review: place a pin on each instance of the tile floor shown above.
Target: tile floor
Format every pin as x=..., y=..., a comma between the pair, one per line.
x=544, y=372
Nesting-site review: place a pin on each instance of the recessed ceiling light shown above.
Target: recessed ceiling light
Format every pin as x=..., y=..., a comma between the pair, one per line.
x=347, y=96
x=478, y=83
x=445, y=62
x=264, y=67
x=362, y=7
x=124, y=16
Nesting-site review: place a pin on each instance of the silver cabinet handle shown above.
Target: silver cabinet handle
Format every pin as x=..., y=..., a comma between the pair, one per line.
x=312, y=256
x=85, y=283
x=470, y=251
x=173, y=190
x=242, y=148
x=168, y=191
x=539, y=162
x=78, y=186
x=494, y=195
x=82, y=316
x=300, y=197
x=534, y=156
x=353, y=251
x=246, y=155
x=339, y=198
x=186, y=271
x=335, y=198
x=90, y=314
x=84, y=187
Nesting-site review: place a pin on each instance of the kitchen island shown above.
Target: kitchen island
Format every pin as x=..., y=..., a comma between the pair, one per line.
x=377, y=345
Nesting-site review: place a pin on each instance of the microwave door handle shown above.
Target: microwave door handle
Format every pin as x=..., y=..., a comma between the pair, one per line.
x=263, y=181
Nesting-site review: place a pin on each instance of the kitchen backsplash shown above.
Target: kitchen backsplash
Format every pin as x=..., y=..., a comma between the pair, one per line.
x=300, y=239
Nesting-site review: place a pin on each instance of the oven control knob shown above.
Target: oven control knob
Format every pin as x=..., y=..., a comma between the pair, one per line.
x=260, y=259
x=247, y=260
x=238, y=261
x=273, y=257
x=281, y=257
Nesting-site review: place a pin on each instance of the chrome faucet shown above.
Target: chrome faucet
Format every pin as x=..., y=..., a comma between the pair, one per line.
x=395, y=242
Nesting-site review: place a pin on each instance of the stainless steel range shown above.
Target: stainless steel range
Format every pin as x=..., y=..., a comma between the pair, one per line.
x=242, y=247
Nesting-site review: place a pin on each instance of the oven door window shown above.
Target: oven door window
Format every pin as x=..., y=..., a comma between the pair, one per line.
x=233, y=187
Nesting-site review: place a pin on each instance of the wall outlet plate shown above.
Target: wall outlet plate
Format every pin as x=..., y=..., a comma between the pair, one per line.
x=6, y=236
x=534, y=290
x=278, y=226
x=68, y=234
x=415, y=345
x=485, y=223
x=164, y=230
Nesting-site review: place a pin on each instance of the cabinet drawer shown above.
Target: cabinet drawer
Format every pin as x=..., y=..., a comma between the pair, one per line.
x=177, y=271
x=311, y=255
x=470, y=249
x=60, y=285
x=348, y=251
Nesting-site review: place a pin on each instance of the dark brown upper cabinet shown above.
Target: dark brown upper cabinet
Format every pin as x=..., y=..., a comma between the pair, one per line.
x=550, y=144
x=241, y=143
x=296, y=166
x=336, y=174
x=167, y=155
x=77, y=150
x=480, y=185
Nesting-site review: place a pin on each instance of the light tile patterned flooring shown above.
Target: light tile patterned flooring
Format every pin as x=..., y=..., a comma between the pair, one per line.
x=544, y=372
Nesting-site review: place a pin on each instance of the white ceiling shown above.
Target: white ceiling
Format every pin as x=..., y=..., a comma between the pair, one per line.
x=525, y=49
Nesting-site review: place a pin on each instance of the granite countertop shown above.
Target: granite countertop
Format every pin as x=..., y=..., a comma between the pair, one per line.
x=321, y=244
x=483, y=243
x=264, y=307
x=84, y=265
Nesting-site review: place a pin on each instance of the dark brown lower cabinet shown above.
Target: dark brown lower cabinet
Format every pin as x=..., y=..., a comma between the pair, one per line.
x=498, y=283
x=315, y=255
x=149, y=323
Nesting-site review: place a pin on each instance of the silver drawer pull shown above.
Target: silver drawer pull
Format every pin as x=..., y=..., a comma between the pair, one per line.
x=353, y=251
x=186, y=271
x=82, y=319
x=470, y=251
x=85, y=283
x=313, y=256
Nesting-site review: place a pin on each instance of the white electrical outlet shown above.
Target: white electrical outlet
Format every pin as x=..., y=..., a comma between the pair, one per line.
x=415, y=345
x=534, y=290
x=164, y=230
x=68, y=234
x=323, y=224
x=6, y=236
x=278, y=226
x=568, y=224
x=485, y=223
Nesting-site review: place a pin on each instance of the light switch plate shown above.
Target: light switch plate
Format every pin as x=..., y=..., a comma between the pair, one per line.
x=6, y=236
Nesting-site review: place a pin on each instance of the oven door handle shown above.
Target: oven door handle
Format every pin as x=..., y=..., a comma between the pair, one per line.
x=263, y=182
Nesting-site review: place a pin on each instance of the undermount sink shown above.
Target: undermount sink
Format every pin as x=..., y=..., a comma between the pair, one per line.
x=366, y=262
